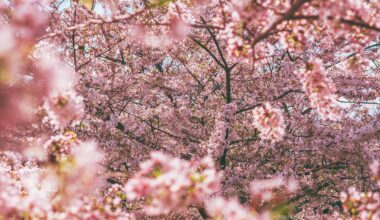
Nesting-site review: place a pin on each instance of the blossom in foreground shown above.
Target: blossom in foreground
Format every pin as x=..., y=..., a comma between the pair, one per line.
x=168, y=183
x=271, y=191
x=361, y=205
x=320, y=90
x=21, y=22
x=66, y=188
x=64, y=107
x=220, y=208
x=270, y=122
x=375, y=169
x=60, y=146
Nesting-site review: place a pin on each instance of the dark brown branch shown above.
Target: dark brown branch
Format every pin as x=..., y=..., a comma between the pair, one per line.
x=344, y=21
x=73, y=40
x=202, y=212
x=217, y=45
x=286, y=16
x=208, y=51
x=274, y=99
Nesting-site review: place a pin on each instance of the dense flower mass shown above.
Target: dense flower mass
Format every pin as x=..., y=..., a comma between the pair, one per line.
x=189, y=109
x=62, y=190
x=168, y=183
x=218, y=140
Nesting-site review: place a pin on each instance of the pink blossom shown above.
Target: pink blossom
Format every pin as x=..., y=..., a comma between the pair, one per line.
x=64, y=107
x=178, y=29
x=270, y=122
x=375, y=168
x=361, y=204
x=169, y=183
x=320, y=90
x=219, y=208
x=189, y=78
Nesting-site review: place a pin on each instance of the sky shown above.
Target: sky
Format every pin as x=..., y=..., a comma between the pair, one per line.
x=66, y=3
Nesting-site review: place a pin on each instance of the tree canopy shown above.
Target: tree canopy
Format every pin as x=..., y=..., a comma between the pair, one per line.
x=189, y=109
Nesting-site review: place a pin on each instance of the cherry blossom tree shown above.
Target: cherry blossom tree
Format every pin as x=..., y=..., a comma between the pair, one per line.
x=189, y=109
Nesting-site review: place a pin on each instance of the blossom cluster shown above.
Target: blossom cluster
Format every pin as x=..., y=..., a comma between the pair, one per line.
x=223, y=120
x=237, y=47
x=362, y=205
x=320, y=90
x=264, y=194
x=220, y=208
x=29, y=73
x=63, y=107
x=167, y=183
x=264, y=190
x=375, y=169
x=63, y=189
x=140, y=76
x=270, y=122
x=59, y=147
x=20, y=24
